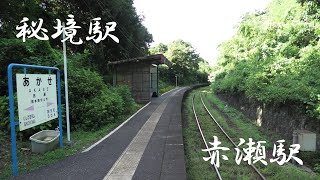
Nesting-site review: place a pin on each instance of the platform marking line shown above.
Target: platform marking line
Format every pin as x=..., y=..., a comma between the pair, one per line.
x=169, y=91
x=116, y=129
x=174, y=144
x=127, y=163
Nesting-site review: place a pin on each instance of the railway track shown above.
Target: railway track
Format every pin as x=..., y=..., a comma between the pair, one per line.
x=258, y=173
x=214, y=167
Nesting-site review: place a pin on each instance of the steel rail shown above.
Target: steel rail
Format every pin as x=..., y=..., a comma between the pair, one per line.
x=203, y=138
x=222, y=130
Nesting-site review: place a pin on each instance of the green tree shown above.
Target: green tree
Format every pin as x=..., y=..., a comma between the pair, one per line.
x=274, y=57
x=134, y=37
x=159, y=49
x=186, y=62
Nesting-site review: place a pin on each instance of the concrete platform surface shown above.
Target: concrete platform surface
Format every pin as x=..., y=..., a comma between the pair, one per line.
x=148, y=146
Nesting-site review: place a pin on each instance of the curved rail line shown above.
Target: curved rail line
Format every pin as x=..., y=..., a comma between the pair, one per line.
x=204, y=139
x=227, y=136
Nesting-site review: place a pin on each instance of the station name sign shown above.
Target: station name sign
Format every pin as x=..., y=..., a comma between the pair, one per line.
x=37, y=99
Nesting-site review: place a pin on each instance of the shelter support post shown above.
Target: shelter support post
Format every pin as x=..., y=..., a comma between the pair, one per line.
x=157, y=80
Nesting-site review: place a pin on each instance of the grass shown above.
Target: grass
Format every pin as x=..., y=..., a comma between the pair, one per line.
x=28, y=161
x=165, y=87
x=197, y=168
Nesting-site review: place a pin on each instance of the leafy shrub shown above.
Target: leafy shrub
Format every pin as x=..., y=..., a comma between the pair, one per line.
x=84, y=84
x=92, y=103
x=30, y=52
x=4, y=114
x=165, y=87
x=317, y=168
x=90, y=114
x=126, y=96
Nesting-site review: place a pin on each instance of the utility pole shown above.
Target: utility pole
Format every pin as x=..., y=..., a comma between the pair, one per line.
x=66, y=82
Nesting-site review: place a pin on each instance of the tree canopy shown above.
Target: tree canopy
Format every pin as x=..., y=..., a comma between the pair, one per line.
x=186, y=61
x=134, y=37
x=274, y=57
x=89, y=94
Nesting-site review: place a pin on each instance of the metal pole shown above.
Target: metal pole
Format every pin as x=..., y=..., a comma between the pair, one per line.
x=66, y=83
x=157, y=80
x=176, y=81
x=59, y=108
x=12, y=123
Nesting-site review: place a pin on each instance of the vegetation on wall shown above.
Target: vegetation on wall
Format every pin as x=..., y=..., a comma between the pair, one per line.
x=274, y=57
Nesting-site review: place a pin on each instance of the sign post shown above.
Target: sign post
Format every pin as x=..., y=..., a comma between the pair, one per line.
x=66, y=83
x=37, y=101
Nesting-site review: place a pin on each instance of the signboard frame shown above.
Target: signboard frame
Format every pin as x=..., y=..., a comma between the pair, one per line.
x=14, y=123
x=37, y=99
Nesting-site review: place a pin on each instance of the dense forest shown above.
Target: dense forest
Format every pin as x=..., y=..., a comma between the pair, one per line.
x=274, y=57
x=93, y=101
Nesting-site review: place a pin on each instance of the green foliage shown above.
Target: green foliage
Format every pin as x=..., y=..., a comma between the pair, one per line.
x=31, y=52
x=133, y=35
x=187, y=63
x=274, y=57
x=317, y=168
x=313, y=106
x=91, y=113
x=184, y=56
x=159, y=49
x=84, y=84
x=165, y=87
x=92, y=102
x=126, y=96
x=236, y=125
x=4, y=114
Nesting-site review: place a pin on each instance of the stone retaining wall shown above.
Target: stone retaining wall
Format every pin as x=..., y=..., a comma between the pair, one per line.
x=282, y=119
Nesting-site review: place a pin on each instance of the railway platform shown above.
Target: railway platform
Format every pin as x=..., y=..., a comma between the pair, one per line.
x=149, y=145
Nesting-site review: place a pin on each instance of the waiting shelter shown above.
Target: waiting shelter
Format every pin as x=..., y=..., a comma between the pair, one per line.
x=141, y=74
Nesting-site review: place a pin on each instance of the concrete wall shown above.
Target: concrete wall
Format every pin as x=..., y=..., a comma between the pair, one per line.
x=282, y=119
x=137, y=77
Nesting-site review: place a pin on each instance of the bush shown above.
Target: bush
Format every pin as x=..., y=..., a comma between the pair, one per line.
x=165, y=87
x=4, y=114
x=90, y=114
x=126, y=96
x=83, y=84
x=317, y=168
x=92, y=102
x=31, y=52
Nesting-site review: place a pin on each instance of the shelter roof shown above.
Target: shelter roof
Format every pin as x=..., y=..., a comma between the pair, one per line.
x=152, y=59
